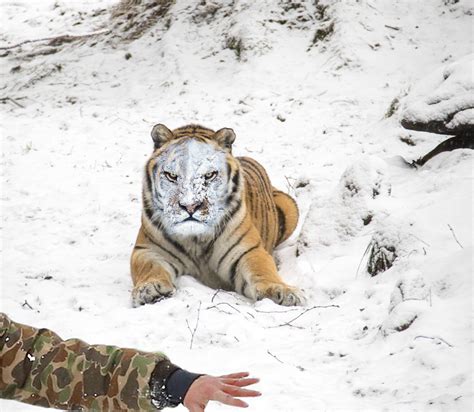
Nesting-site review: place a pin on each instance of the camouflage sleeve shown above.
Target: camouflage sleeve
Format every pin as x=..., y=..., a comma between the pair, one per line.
x=40, y=368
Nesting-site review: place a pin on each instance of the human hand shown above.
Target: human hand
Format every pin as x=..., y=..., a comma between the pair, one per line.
x=224, y=389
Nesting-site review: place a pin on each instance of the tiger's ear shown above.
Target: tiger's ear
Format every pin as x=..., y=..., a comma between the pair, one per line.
x=160, y=135
x=225, y=137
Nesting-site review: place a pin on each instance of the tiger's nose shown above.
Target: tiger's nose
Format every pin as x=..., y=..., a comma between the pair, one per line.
x=190, y=208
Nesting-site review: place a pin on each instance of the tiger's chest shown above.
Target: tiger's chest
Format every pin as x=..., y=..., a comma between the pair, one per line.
x=205, y=269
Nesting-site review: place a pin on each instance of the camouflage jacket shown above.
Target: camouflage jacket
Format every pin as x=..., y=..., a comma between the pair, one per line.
x=40, y=368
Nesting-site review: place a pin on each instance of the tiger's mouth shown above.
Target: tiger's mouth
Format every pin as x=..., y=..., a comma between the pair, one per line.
x=191, y=219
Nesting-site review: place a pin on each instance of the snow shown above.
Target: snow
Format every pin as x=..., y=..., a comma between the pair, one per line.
x=77, y=134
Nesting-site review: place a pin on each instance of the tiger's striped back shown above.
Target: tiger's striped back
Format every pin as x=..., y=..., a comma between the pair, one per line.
x=273, y=212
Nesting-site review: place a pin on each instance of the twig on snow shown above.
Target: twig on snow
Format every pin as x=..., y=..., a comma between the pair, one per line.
x=222, y=310
x=454, y=235
x=4, y=100
x=276, y=311
x=193, y=331
x=303, y=313
x=368, y=28
x=222, y=303
x=363, y=256
x=233, y=294
x=289, y=184
x=421, y=240
x=272, y=355
x=214, y=295
x=372, y=6
x=63, y=38
x=25, y=303
x=253, y=151
x=434, y=338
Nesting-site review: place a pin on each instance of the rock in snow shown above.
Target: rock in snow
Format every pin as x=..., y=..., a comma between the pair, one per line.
x=443, y=101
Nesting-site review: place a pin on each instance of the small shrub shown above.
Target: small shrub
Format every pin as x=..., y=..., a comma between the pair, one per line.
x=323, y=33
x=392, y=109
x=235, y=44
x=381, y=257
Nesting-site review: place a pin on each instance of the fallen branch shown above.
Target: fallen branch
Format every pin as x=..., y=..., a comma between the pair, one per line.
x=454, y=235
x=4, y=100
x=463, y=140
x=434, y=338
x=276, y=311
x=193, y=332
x=289, y=184
x=57, y=40
x=421, y=240
x=214, y=295
x=272, y=355
x=303, y=313
x=222, y=303
x=363, y=256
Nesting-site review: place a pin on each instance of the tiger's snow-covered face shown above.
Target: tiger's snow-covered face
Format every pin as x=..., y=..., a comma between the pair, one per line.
x=191, y=183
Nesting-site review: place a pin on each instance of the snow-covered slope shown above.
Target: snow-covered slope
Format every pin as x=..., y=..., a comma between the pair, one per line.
x=311, y=90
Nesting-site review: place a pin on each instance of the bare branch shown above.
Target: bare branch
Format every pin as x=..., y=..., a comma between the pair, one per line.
x=4, y=100
x=454, y=235
x=272, y=355
x=214, y=295
x=362, y=258
x=303, y=313
x=193, y=332
x=434, y=338
x=222, y=303
x=462, y=140
x=289, y=184
x=276, y=311
x=63, y=38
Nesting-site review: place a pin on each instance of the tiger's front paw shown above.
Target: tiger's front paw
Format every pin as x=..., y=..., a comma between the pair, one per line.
x=151, y=292
x=281, y=294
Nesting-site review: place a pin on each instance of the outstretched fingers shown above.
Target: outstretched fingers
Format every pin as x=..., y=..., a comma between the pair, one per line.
x=237, y=375
x=240, y=382
x=240, y=392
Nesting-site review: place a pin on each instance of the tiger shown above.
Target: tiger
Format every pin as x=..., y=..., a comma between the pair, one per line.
x=210, y=215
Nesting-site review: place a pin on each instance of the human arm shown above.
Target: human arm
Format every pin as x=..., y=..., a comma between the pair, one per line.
x=40, y=368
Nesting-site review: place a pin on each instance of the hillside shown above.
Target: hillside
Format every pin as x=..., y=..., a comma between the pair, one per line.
x=312, y=90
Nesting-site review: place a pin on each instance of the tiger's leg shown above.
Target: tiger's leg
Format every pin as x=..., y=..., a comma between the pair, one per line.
x=255, y=275
x=287, y=214
x=151, y=280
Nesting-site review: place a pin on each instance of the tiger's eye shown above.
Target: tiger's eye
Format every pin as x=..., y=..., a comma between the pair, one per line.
x=171, y=176
x=210, y=176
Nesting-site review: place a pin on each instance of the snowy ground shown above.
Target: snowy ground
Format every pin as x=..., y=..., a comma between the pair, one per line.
x=76, y=135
